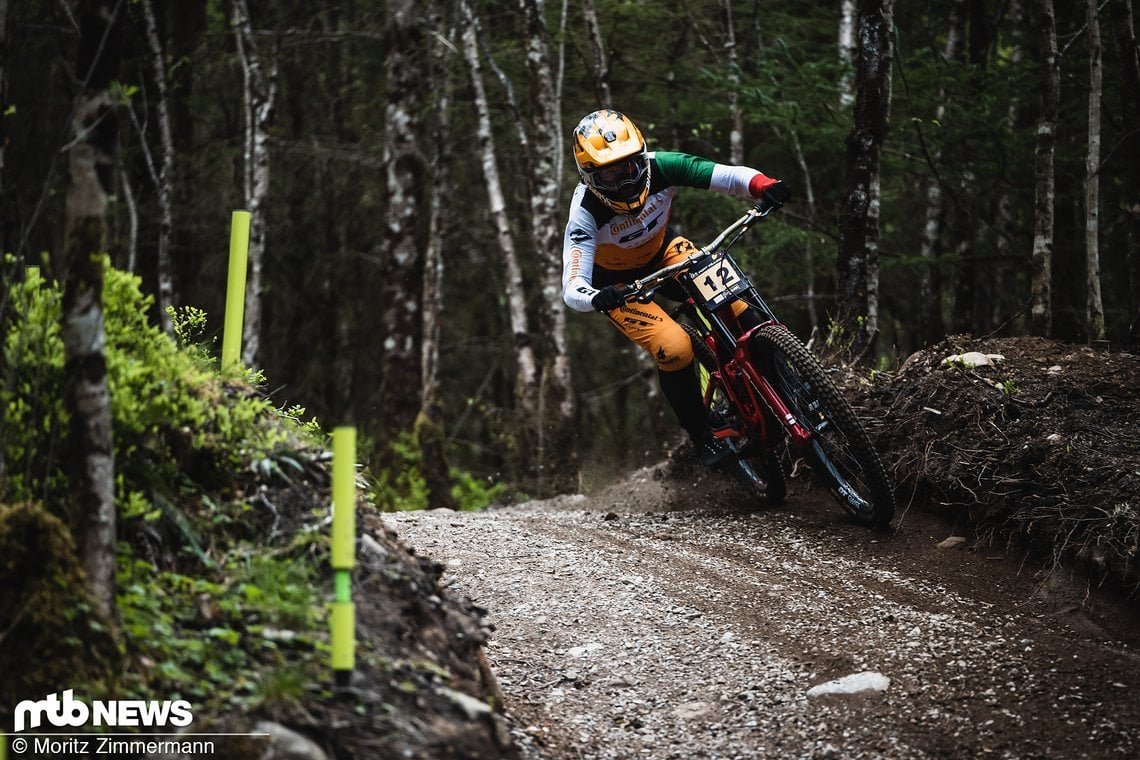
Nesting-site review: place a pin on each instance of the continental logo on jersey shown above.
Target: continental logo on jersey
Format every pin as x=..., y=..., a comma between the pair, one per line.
x=633, y=221
x=575, y=263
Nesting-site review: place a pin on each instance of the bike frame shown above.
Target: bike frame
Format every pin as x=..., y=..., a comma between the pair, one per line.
x=747, y=397
x=735, y=360
x=746, y=358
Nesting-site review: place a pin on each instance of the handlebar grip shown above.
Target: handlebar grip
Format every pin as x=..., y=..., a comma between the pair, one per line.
x=766, y=206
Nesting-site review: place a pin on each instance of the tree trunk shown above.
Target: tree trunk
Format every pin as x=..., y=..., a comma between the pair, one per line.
x=1127, y=160
x=561, y=77
x=526, y=376
x=1040, y=308
x=809, y=245
x=735, y=115
x=932, y=326
x=183, y=25
x=1094, y=307
x=165, y=173
x=597, y=45
x=260, y=94
x=557, y=456
x=91, y=459
x=848, y=52
x=1003, y=274
x=429, y=426
x=856, y=324
x=402, y=288
x=129, y=201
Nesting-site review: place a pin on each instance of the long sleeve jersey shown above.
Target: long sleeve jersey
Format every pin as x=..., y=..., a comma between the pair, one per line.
x=595, y=235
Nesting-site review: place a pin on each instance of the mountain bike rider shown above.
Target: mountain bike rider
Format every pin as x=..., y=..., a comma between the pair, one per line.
x=618, y=230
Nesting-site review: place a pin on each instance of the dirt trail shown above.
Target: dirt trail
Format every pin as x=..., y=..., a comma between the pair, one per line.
x=652, y=620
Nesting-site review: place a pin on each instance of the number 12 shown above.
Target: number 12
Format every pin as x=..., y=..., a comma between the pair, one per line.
x=726, y=278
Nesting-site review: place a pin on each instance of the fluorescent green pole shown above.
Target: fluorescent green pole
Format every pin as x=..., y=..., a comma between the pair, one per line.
x=343, y=619
x=235, y=289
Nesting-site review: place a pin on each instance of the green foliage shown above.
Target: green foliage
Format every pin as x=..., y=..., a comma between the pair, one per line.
x=206, y=607
x=209, y=639
x=472, y=493
x=51, y=637
x=179, y=430
x=402, y=487
x=189, y=324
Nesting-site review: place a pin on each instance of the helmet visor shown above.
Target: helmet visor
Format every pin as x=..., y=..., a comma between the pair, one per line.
x=623, y=178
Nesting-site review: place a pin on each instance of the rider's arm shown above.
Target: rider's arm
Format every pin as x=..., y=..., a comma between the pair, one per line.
x=578, y=246
x=694, y=171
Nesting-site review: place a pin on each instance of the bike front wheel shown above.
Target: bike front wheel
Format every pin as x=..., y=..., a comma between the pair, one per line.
x=840, y=450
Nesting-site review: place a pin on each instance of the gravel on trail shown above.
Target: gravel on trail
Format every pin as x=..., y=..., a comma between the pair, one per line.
x=659, y=618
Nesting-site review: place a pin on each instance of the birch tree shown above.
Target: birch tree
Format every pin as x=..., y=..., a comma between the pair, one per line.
x=428, y=426
x=91, y=157
x=1094, y=307
x=556, y=451
x=164, y=178
x=526, y=375
x=597, y=46
x=259, y=92
x=930, y=284
x=1040, y=306
x=857, y=307
x=848, y=52
x=735, y=115
x=402, y=288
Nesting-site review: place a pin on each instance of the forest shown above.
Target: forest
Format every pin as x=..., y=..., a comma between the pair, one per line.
x=970, y=166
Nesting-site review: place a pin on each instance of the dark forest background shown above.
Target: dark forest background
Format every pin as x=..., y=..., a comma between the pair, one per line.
x=398, y=292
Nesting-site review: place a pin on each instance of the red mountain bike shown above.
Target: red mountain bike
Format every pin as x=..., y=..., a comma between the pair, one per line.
x=765, y=389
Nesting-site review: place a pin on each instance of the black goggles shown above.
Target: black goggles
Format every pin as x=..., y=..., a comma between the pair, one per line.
x=614, y=177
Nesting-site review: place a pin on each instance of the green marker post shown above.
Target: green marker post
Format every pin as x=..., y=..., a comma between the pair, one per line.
x=343, y=619
x=235, y=289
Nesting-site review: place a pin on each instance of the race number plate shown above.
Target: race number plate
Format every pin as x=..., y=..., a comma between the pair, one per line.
x=718, y=281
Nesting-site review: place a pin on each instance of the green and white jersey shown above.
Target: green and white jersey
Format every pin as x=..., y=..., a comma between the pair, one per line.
x=598, y=237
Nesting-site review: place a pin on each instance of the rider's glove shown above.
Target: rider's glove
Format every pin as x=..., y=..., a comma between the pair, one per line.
x=607, y=299
x=777, y=194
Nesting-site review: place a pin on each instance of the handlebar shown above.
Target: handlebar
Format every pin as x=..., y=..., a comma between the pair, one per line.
x=642, y=289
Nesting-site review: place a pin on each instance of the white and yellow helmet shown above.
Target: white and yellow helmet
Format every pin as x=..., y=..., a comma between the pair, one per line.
x=612, y=160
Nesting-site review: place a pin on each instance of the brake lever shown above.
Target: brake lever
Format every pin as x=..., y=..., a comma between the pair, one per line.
x=645, y=296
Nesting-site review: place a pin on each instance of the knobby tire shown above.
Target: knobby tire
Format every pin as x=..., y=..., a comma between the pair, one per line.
x=841, y=450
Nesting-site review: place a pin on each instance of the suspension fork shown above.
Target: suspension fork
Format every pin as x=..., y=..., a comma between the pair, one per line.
x=759, y=385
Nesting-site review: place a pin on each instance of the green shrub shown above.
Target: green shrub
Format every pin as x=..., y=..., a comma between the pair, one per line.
x=402, y=487
x=182, y=431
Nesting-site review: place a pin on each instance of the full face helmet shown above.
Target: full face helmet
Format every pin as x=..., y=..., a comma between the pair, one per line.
x=612, y=160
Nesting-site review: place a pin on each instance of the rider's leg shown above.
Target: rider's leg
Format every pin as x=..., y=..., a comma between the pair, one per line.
x=683, y=392
x=649, y=326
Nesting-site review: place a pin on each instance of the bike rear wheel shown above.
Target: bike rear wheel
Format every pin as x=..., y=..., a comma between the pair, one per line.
x=840, y=452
